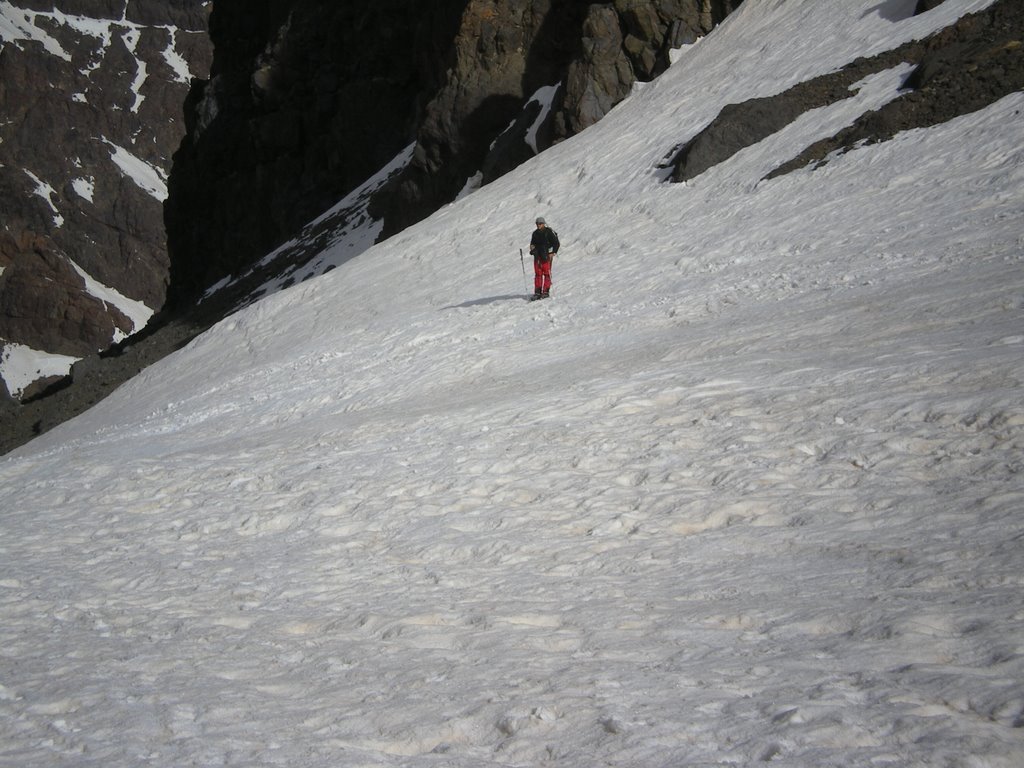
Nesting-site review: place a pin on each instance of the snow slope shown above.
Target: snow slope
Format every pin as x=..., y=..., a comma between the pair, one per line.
x=748, y=488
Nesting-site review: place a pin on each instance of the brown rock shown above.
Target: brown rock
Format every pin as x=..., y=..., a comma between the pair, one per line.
x=64, y=197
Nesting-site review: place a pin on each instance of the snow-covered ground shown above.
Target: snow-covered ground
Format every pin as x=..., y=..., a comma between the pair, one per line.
x=748, y=487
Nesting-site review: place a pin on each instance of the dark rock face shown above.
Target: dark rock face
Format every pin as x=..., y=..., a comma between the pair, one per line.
x=483, y=91
x=91, y=119
x=306, y=100
x=42, y=300
x=505, y=50
x=626, y=42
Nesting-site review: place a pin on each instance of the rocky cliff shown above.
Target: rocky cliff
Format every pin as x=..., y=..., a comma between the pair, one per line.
x=90, y=98
x=305, y=101
x=506, y=53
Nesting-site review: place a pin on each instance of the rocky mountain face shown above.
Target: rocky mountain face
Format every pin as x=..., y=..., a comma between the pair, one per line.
x=306, y=100
x=91, y=95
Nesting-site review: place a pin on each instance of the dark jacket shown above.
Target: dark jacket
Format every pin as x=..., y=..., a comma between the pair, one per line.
x=543, y=243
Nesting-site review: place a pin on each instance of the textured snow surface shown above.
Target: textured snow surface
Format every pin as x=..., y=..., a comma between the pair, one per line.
x=748, y=488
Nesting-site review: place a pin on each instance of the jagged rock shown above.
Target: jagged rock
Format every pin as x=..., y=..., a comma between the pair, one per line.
x=506, y=51
x=623, y=43
x=602, y=76
x=43, y=299
x=84, y=114
x=304, y=103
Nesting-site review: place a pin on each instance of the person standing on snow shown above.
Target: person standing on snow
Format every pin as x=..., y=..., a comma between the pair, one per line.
x=543, y=245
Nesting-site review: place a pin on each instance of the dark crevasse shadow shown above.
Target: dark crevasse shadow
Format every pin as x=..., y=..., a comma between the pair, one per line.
x=489, y=300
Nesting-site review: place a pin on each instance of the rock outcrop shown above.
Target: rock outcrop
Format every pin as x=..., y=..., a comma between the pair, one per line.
x=305, y=102
x=91, y=96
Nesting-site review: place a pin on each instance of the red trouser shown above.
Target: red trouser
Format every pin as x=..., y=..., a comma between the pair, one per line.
x=542, y=275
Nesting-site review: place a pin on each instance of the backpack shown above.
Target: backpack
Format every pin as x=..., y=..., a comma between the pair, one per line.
x=553, y=240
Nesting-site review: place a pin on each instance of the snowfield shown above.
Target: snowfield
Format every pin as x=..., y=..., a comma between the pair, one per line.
x=747, y=489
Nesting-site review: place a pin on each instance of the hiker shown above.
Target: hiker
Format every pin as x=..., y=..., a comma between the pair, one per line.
x=543, y=245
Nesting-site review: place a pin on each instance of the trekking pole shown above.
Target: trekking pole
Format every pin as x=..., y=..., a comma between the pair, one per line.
x=526, y=284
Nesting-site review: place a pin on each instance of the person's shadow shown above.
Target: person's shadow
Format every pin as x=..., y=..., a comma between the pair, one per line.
x=893, y=10
x=488, y=300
